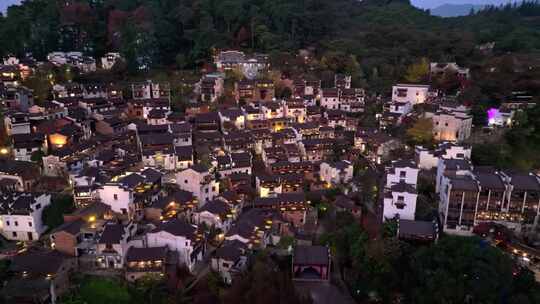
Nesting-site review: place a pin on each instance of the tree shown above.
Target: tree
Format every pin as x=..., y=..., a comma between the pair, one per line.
x=390, y=228
x=181, y=61
x=53, y=214
x=150, y=289
x=421, y=133
x=37, y=156
x=103, y=290
x=264, y=278
x=418, y=72
x=472, y=272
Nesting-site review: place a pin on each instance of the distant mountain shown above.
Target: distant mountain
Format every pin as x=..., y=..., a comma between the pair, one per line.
x=454, y=10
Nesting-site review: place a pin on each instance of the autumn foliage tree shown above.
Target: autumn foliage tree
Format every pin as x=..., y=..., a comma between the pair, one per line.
x=418, y=72
x=421, y=133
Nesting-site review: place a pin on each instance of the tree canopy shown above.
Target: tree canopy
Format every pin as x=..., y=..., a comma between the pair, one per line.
x=378, y=42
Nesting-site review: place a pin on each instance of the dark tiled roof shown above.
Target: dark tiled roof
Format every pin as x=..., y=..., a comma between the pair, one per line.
x=245, y=225
x=311, y=255
x=179, y=196
x=19, y=203
x=157, y=114
x=416, y=228
x=112, y=234
x=217, y=207
x=38, y=263
x=184, y=153
x=146, y=254
x=457, y=164
x=72, y=228
x=131, y=181
x=404, y=163
x=283, y=198
x=96, y=208
x=490, y=180
x=403, y=187
x=525, y=182
x=178, y=227
x=464, y=183
x=24, y=169
x=157, y=139
x=229, y=251
x=200, y=168
x=151, y=175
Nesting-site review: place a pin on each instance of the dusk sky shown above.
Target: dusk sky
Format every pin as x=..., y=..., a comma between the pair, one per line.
x=435, y=3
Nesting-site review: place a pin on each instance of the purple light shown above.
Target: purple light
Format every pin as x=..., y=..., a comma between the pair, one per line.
x=492, y=113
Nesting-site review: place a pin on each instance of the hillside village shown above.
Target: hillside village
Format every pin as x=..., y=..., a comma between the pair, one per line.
x=258, y=174
x=154, y=191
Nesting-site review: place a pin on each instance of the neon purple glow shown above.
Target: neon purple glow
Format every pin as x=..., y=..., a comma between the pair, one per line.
x=492, y=113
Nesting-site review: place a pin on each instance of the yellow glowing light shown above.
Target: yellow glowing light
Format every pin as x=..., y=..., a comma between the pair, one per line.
x=4, y=151
x=92, y=218
x=58, y=140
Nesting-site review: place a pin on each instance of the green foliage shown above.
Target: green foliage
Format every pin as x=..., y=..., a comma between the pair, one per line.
x=150, y=289
x=519, y=147
x=53, y=215
x=181, y=61
x=387, y=40
x=98, y=290
x=346, y=241
x=285, y=242
x=390, y=228
x=264, y=283
x=37, y=156
x=471, y=271
x=418, y=72
x=421, y=133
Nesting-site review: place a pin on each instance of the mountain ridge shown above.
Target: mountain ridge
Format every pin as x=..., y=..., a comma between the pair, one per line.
x=455, y=10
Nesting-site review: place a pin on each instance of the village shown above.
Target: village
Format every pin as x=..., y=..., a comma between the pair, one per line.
x=114, y=179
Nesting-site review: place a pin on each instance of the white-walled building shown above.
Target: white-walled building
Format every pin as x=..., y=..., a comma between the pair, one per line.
x=400, y=201
x=228, y=164
x=296, y=111
x=273, y=109
x=113, y=244
x=330, y=98
x=199, y=181
x=17, y=123
x=402, y=171
x=217, y=213
x=452, y=125
x=399, y=107
x=340, y=172
x=20, y=215
x=151, y=90
x=268, y=185
x=410, y=93
x=211, y=87
x=179, y=236
x=120, y=195
x=400, y=190
x=233, y=116
x=429, y=159
x=451, y=167
x=109, y=60
x=458, y=203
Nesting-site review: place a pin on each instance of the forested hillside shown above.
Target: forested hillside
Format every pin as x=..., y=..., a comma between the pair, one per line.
x=383, y=36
